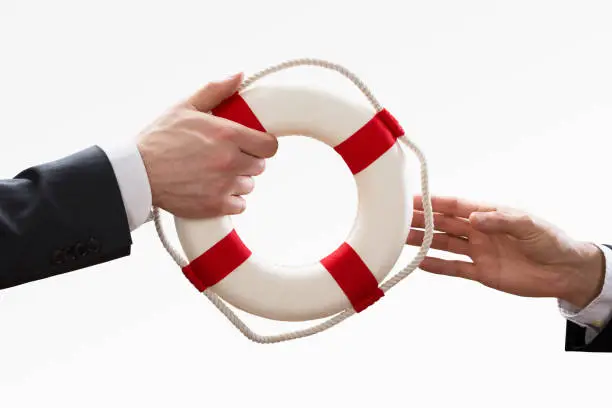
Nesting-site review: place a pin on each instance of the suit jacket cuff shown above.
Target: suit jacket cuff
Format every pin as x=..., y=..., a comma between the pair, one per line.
x=598, y=313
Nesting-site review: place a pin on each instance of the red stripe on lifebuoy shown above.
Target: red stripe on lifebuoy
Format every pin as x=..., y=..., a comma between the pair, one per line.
x=353, y=276
x=219, y=261
x=192, y=277
x=392, y=124
x=237, y=110
x=370, y=142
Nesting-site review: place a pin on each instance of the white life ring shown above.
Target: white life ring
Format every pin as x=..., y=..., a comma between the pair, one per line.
x=349, y=278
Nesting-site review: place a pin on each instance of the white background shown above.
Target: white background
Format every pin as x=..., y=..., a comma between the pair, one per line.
x=510, y=101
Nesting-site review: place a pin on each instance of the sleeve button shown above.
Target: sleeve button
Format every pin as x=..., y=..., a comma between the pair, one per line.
x=80, y=249
x=71, y=253
x=93, y=245
x=58, y=257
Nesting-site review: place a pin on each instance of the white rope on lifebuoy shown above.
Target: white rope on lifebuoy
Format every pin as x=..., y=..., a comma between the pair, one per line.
x=385, y=286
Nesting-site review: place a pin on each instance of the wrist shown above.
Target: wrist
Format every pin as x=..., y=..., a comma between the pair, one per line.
x=586, y=276
x=132, y=180
x=145, y=155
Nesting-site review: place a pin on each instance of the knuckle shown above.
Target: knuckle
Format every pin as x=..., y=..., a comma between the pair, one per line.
x=500, y=216
x=208, y=208
x=444, y=241
x=458, y=268
x=225, y=133
x=526, y=219
x=213, y=86
x=248, y=184
x=440, y=220
x=188, y=119
x=226, y=159
x=233, y=205
x=436, y=242
x=216, y=206
x=208, y=211
x=259, y=166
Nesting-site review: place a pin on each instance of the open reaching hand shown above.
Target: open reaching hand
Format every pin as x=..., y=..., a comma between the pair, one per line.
x=510, y=251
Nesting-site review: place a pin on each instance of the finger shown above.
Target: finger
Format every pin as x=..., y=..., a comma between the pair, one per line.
x=444, y=223
x=233, y=205
x=243, y=185
x=453, y=206
x=255, y=143
x=213, y=93
x=517, y=224
x=460, y=269
x=248, y=165
x=441, y=241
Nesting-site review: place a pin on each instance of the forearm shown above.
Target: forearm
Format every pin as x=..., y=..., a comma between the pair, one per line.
x=59, y=217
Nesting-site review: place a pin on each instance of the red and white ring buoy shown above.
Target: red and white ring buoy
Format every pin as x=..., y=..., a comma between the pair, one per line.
x=350, y=277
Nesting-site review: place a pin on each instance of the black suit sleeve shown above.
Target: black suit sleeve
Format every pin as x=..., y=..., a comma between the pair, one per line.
x=59, y=217
x=575, y=338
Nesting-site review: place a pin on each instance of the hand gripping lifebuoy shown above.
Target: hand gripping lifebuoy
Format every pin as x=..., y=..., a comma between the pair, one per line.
x=349, y=279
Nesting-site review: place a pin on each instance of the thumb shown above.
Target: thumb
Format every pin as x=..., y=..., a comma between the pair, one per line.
x=213, y=93
x=519, y=225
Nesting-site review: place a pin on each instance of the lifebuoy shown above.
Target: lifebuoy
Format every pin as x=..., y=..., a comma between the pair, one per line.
x=366, y=137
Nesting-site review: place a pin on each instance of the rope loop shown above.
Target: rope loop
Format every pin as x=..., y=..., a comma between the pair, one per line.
x=180, y=260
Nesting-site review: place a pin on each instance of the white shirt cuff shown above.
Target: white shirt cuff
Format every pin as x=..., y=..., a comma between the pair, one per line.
x=597, y=314
x=133, y=182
